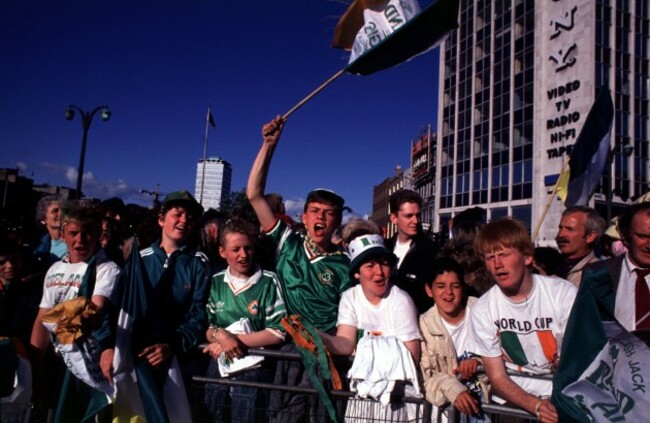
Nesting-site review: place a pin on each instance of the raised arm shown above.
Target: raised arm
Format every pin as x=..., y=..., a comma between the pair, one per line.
x=257, y=178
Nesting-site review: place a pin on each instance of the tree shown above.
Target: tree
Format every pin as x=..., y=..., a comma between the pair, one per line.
x=237, y=205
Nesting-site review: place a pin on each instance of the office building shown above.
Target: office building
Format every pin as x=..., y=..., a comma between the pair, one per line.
x=517, y=80
x=380, y=201
x=213, y=178
x=423, y=173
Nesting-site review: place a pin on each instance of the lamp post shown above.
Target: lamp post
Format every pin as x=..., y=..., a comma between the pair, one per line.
x=86, y=120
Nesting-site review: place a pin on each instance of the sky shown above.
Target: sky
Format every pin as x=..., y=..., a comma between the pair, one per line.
x=159, y=64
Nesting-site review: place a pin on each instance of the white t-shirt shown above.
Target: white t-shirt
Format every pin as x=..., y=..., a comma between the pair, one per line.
x=395, y=315
x=624, y=307
x=459, y=334
x=63, y=279
x=528, y=334
x=400, y=250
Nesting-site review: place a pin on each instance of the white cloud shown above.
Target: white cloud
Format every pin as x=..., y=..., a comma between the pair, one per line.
x=92, y=187
x=294, y=207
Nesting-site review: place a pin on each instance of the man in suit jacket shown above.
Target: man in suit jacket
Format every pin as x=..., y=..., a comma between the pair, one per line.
x=414, y=249
x=577, y=234
x=619, y=294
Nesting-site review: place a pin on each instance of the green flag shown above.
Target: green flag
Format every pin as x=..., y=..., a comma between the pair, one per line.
x=604, y=370
x=416, y=36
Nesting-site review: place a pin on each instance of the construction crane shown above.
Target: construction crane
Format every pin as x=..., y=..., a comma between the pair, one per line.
x=155, y=194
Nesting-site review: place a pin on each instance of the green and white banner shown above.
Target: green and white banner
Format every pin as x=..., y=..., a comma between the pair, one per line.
x=381, y=23
x=604, y=370
x=614, y=388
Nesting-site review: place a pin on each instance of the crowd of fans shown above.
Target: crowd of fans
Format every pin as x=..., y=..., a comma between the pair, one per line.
x=219, y=285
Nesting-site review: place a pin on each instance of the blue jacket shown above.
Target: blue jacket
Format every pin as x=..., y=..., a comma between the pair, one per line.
x=42, y=252
x=180, y=286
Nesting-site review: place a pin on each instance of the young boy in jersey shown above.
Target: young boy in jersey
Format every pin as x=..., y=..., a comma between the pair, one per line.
x=81, y=229
x=444, y=348
x=245, y=310
x=313, y=272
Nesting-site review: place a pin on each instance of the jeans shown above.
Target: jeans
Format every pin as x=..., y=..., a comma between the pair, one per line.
x=237, y=403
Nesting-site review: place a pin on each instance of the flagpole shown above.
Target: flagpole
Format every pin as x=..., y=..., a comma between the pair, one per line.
x=313, y=93
x=565, y=165
x=205, y=149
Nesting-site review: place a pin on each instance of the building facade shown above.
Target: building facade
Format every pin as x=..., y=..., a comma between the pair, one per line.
x=423, y=173
x=213, y=179
x=517, y=80
x=380, y=201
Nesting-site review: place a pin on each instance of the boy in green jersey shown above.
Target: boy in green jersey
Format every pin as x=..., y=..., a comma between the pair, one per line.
x=245, y=310
x=313, y=271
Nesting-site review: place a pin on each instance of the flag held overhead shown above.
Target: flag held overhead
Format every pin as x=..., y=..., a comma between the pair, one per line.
x=379, y=22
x=352, y=21
x=413, y=37
x=418, y=35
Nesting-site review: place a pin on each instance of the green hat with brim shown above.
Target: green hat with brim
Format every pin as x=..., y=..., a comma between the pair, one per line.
x=183, y=198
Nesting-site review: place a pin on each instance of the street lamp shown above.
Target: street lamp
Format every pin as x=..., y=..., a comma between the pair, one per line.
x=86, y=119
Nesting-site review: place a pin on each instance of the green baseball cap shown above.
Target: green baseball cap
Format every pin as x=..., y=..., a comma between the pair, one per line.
x=184, y=198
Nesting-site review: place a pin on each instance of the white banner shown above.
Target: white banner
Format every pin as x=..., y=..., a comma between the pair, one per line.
x=379, y=24
x=615, y=385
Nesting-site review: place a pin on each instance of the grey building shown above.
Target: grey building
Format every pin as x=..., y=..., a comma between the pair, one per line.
x=517, y=79
x=213, y=179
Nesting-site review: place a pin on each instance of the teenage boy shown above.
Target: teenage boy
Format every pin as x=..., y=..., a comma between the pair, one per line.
x=81, y=229
x=178, y=276
x=245, y=310
x=414, y=250
x=520, y=322
x=312, y=270
x=445, y=329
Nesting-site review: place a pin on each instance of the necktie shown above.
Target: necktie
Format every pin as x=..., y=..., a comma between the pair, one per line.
x=642, y=299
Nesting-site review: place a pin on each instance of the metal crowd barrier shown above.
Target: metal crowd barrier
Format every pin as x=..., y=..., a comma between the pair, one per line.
x=425, y=412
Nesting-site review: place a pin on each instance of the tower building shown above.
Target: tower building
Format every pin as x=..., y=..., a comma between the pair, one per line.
x=213, y=178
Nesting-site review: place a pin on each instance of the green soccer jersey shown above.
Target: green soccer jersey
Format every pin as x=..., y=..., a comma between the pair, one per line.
x=259, y=300
x=311, y=283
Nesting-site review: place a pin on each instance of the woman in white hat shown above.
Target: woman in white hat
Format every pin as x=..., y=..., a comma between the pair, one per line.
x=374, y=307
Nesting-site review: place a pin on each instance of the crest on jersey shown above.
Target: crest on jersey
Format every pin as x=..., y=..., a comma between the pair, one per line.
x=253, y=307
x=326, y=277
